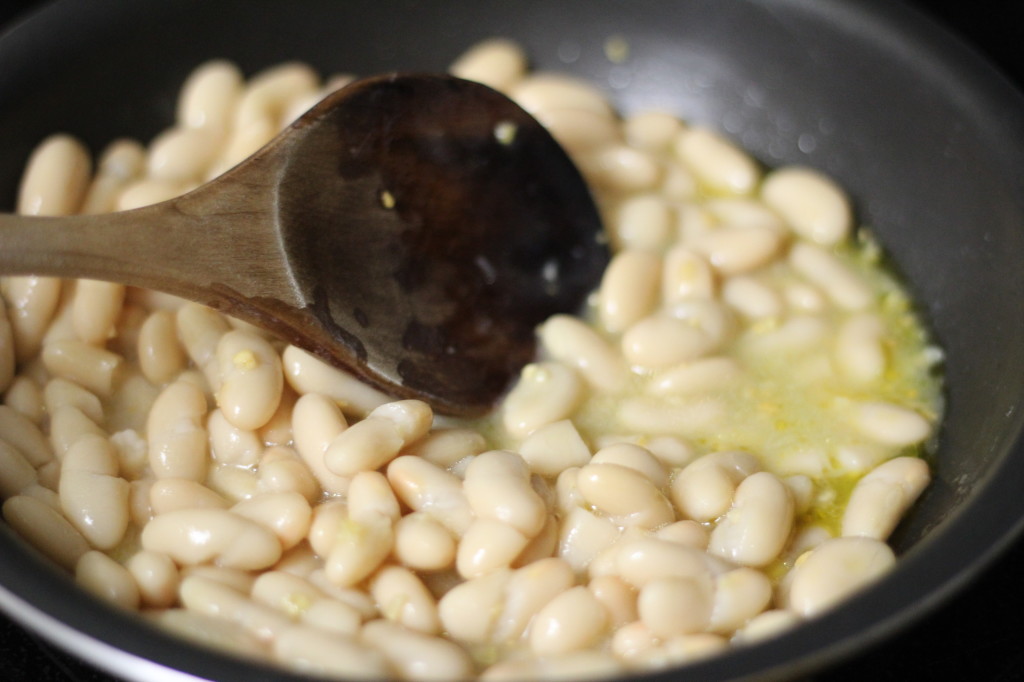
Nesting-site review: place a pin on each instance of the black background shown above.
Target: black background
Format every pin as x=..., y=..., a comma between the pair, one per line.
x=979, y=635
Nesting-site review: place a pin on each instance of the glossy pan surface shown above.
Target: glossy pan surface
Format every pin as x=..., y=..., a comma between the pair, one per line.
x=926, y=137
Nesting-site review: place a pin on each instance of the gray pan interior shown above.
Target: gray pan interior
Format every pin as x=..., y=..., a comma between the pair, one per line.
x=928, y=139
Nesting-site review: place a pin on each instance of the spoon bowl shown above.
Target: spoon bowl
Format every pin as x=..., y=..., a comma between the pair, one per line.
x=411, y=229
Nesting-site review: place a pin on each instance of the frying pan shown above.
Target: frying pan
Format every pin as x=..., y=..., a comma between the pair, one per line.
x=927, y=138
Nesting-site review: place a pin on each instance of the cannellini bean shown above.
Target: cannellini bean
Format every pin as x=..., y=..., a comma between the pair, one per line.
x=880, y=499
x=364, y=446
x=546, y=392
x=16, y=473
x=890, y=424
x=813, y=206
x=834, y=570
x=423, y=543
x=751, y=297
x=624, y=494
x=316, y=422
x=209, y=631
x=543, y=91
x=416, y=656
x=60, y=392
x=766, y=626
x=686, y=532
x=632, y=641
x=281, y=470
x=161, y=356
x=269, y=93
x=355, y=546
x=859, y=348
x=287, y=514
x=527, y=591
x=31, y=304
x=698, y=376
x=497, y=62
x=100, y=575
x=579, y=131
x=148, y=191
x=716, y=162
x=95, y=309
x=469, y=611
x=734, y=250
x=488, y=545
x=314, y=651
x=652, y=130
x=120, y=163
x=156, y=576
x=211, y=597
x=195, y=536
x=46, y=529
x=308, y=374
x=427, y=488
x=251, y=379
x=619, y=168
x=230, y=444
x=200, y=329
x=831, y=275
x=56, y=177
x=572, y=621
x=739, y=595
x=686, y=274
x=182, y=154
x=704, y=489
x=67, y=425
x=23, y=435
x=675, y=606
x=618, y=598
x=90, y=366
x=643, y=222
x=92, y=495
x=628, y=288
x=660, y=341
x=682, y=649
x=497, y=486
x=22, y=394
x=754, y=531
x=177, y=437
x=209, y=95
x=693, y=417
x=639, y=561
x=583, y=536
x=446, y=446
x=553, y=448
x=633, y=457
x=370, y=492
x=403, y=598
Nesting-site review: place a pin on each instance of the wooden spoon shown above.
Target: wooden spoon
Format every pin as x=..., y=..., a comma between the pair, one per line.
x=412, y=229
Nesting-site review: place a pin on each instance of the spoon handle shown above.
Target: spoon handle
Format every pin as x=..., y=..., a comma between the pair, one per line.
x=217, y=247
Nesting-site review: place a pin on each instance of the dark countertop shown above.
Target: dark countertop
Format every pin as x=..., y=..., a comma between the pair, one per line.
x=978, y=635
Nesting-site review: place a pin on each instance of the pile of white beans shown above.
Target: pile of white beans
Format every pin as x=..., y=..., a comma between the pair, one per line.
x=713, y=452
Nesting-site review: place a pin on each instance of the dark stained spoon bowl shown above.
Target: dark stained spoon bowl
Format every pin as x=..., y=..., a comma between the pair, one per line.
x=412, y=229
x=928, y=138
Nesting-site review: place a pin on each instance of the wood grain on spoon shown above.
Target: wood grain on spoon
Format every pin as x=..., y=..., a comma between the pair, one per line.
x=412, y=229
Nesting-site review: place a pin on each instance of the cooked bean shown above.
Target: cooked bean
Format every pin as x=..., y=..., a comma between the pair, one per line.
x=55, y=178
x=734, y=250
x=364, y=446
x=403, y=598
x=161, y=357
x=544, y=91
x=177, y=437
x=182, y=154
x=572, y=621
x=660, y=341
x=423, y=543
x=834, y=277
x=880, y=499
x=570, y=341
x=651, y=130
x=93, y=367
x=497, y=486
x=686, y=275
x=859, y=348
x=812, y=204
x=214, y=598
x=686, y=532
x=643, y=222
x=46, y=529
x=446, y=446
x=694, y=417
x=316, y=422
x=496, y=62
x=834, y=570
x=105, y=578
x=60, y=392
x=675, y=606
x=527, y=590
x=313, y=651
x=469, y=611
x=93, y=497
x=251, y=380
x=209, y=95
x=416, y=656
x=766, y=625
x=890, y=424
x=16, y=473
x=553, y=448
x=640, y=561
x=751, y=297
x=281, y=470
x=171, y=494
x=739, y=596
x=617, y=597
x=632, y=641
x=579, y=131
x=716, y=162
x=355, y=546
x=703, y=375
x=424, y=487
x=148, y=191
x=546, y=392
x=231, y=445
x=156, y=576
x=308, y=374
x=619, y=168
x=25, y=436
x=628, y=288
x=633, y=457
x=31, y=304
x=286, y=514
x=195, y=536
x=754, y=531
x=488, y=545
x=624, y=494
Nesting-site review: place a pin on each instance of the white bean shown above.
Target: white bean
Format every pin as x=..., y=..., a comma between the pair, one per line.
x=177, y=437
x=890, y=424
x=423, y=543
x=200, y=329
x=308, y=374
x=182, y=154
x=837, y=280
x=46, y=529
x=526, y=592
x=25, y=436
x=751, y=297
x=628, y=289
x=813, y=205
x=316, y=422
x=579, y=131
x=541, y=91
x=209, y=95
x=427, y=488
x=56, y=177
x=675, y=606
x=161, y=356
x=496, y=62
x=196, y=536
x=583, y=536
x=446, y=446
x=704, y=489
x=572, y=621
x=93, y=497
x=16, y=473
x=754, y=531
x=156, y=576
x=469, y=611
x=660, y=341
x=286, y=514
x=403, y=598
x=313, y=651
x=416, y=656
x=834, y=570
x=59, y=393
x=553, y=448
x=31, y=304
x=488, y=545
x=497, y=486
x=546, y=392
x=735, y=250
x=651, y=130
x=625, y=495
x=100, y=575
x=859, y=348
x=704, y=375
x=94, y=368
x=880, y=499
x=716, y=162
x=251, y=380
x=739, y=596
x=643, y=222
x=686, y=274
